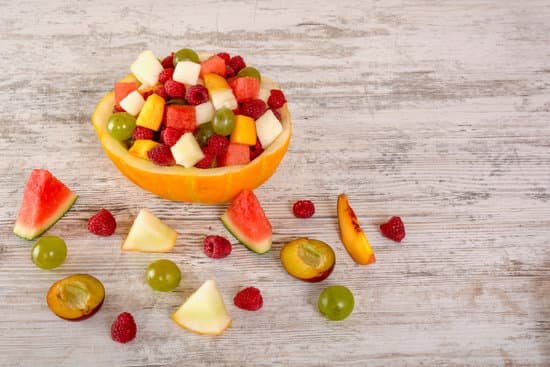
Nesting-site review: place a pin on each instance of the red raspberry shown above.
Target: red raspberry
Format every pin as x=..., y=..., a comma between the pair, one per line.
x=170, y=136
x=102, y=223
x=237, y=111
x=124, y=328
x=303, y=209
x=216, y=247
x=208, y=159
x=174, y=89
x=161, y=92
x=168, y=61
x=237, y=63
x=249, y=299
x=217, y=144
x=225, y=56
x=196, y=94
x=165, y=75
x=229, y=72
x=254, y=108
x=161, y=155
x=276, y=99
x=277, y=114
x=393, y=229
x=256, y=150
x=143, y=133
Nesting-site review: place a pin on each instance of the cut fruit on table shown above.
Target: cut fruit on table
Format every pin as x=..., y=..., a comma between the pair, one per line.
x=352, y=235
x=45, y=201
x=246, y=220
x=149, y=234
x=76, y=297
x=204, y=311
x=308, y=259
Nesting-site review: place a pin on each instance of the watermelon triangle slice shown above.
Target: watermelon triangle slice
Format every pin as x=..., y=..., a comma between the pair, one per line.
x=45, y=201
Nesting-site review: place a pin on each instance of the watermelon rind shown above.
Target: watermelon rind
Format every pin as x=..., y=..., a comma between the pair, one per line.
x=29, y=233
x=259, y=247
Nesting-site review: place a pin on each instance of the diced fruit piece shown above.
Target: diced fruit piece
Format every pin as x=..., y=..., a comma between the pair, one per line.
x=276, y=99
x=45, y=201
x=246, y=220
x=204, y=132
x=163, y=275
x=76, y=297
x=124, y=328
x=204, y=311
x=254, y=108
x=151, y=113
x=308, y=259
x=170, y=136
x=249, y=299
x=223, y=99
x=352, y=235
x=132, y=103
x=196, y=95
x=336, y=302
x=185, y=54
x=303, y=209
x=234, y=155
x=141, y=147
x=214, y=82
x=204, y=112
x=268, y=128
x=161, y=155
x=187, y=72
x=237, y=63
x=122, y=89
x=245, y=131
x=216, y=247
x=393, y=229
x=174, y=89
x=102, y=223
x=147, y=68
x=249, y=71
x=121, y=125
x=214, y=64
x=149, y=234
x=181, y=117
x=245, y=88
x=187, y=152
x=49, y=252
x=223, y=122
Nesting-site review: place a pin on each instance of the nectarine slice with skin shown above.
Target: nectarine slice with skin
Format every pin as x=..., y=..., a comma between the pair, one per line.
x=308, y=259
x=76, y=297
x=352, y=235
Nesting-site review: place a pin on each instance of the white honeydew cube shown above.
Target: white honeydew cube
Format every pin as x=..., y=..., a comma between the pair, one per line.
x=187, y=72
x=223, y=98
x=204, y=112
x=268, y=128
x=132, y=103
x=149, y=234
x=147, y=68
x=187, y=151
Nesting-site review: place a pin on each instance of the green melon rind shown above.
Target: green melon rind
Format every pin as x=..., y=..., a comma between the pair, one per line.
x=259, y=248
x=29, y=233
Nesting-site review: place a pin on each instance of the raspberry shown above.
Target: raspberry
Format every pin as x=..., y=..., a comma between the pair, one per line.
x=165, y=75
x=208, y=159
x=254, y=108
x=249, y=299
x=161, y=92
x=229, y=72
x=237, y=111
x=237, y=63
x=276, y=99
x=256, y=150
x=124, y=328
x=303, y=209
x=217, y=144
x=102, y=223
x=161, y=155
x=146, y=94
x=143, y=133
x=196, y=94
x=174, y=89
x=277, y=114
x=225, y=56
x=170, y=136
x=168, y=61
x=117, y=108
x=216, y=247
x=393, y=229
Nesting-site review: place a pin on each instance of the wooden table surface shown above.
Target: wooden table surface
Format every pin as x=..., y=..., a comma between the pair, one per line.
x=437, y=111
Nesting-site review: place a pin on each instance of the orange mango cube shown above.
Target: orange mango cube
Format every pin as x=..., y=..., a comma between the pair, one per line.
x=151, y=113
x=245, y=131
x=141, y=147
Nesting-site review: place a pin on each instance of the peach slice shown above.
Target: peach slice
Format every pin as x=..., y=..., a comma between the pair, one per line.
x=352, y=235
x=308, y=259
x=76, y=297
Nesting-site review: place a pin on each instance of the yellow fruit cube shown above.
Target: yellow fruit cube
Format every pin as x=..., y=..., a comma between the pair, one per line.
x=141, y=147
x=245, y=130
x=214, y=82
x=151, y=112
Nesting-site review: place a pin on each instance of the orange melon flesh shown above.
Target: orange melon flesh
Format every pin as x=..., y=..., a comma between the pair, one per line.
x=45, y=201
x=246, y=220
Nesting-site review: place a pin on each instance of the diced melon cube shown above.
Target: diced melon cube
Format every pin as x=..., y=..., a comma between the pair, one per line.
x=151, y=113
x=147, y=68
x=187, y=151
x=204, y=112
x=187, y=72
x=223, y=98
x=244, y=131
x=149, y=234
x=268, y=128
x=141, y=147
x=236, y=154
x=132, y=103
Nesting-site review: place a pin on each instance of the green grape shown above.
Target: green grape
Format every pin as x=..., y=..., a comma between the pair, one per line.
x=336, y=302
x=186, y=54
x=204, y=132
x=179, y=101
x=49, y=252
x=163, y=275
x=250, y=71
x=121, y=125
x=223, y=122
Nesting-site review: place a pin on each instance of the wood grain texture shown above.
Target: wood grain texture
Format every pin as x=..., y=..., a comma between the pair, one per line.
x=437, y=111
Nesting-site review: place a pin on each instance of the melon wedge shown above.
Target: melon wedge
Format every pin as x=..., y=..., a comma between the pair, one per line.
x=246, y=220
x=149, y=234
x=204, y=311
x=45, y=201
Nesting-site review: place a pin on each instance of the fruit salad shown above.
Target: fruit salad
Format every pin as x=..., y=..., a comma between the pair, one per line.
x=194, y=110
